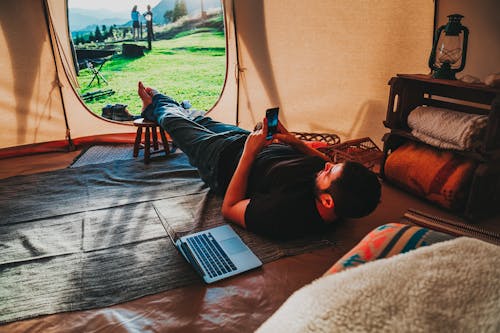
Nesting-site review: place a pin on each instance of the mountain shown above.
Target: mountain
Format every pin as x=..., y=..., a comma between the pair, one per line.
x=86, y=19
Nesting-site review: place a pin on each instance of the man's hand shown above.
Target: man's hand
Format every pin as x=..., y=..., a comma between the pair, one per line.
x=257, y=140
x=284, y=136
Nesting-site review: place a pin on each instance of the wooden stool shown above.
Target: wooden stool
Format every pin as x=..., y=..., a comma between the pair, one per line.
x=149, y=135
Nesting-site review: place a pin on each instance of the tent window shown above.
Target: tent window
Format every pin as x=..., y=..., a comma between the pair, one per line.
x=181, y=51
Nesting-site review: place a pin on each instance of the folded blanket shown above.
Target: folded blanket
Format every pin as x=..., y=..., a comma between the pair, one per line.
x=447, y=129
x=451, y=286
x=439, y=176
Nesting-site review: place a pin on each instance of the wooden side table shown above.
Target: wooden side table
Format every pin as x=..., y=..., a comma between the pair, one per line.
x=151, y=134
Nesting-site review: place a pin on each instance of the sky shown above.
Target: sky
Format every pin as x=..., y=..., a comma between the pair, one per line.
x=115, y=5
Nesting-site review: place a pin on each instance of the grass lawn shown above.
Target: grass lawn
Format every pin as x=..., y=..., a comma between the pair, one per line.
x=190, y=68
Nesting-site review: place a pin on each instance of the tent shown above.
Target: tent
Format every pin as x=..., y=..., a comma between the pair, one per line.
x=326, y=63
x=334, y=64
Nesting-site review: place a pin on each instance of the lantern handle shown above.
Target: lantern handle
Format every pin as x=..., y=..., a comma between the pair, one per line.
x=464, y=49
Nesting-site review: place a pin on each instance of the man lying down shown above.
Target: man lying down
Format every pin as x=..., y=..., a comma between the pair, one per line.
x=279, y=188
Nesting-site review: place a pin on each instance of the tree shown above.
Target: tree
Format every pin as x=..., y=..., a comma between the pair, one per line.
x=98, y=35
x=180, y=10
x=168, y=16
x=78, y=39
x=111, y=32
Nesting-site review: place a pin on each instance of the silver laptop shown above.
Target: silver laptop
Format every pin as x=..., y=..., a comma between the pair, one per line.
x=217, y=253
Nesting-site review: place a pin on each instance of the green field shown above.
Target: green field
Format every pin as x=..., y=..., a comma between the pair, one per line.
x=190, y=68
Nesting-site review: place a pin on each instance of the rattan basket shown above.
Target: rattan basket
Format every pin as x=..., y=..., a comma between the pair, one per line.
x=328, y=138
x=363, y=151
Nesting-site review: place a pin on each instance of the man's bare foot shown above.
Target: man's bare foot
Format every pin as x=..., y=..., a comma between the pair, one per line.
x=145, y=95
x=151, y=91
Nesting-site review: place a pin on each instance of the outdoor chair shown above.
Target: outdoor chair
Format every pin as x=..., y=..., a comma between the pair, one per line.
x=95, y=65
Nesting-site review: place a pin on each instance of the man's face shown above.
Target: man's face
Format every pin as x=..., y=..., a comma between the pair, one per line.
x=329, y=173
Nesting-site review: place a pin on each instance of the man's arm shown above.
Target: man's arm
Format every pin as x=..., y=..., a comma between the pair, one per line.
x=235, y=201
x=286, y=137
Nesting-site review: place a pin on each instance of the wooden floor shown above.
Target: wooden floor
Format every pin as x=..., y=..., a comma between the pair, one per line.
x=25, y=165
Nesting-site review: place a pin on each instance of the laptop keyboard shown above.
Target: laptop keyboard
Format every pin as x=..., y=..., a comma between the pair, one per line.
x=214, y=259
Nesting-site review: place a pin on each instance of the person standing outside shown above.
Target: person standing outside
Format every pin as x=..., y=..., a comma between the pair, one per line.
x=148, y=15
x=135, y=22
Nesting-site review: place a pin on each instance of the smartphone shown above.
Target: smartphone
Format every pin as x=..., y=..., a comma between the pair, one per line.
x=272, y=122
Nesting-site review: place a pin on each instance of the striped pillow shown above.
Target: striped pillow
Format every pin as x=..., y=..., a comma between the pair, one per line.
x=385, y=241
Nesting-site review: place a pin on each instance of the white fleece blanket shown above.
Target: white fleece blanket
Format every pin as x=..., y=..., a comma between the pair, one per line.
x=453, y=286
x=447, y=129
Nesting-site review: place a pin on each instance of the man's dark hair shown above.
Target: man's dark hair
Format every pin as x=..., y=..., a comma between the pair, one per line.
x=356, y=192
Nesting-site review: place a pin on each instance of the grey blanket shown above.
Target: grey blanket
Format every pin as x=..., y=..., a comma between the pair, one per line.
x=91, y=236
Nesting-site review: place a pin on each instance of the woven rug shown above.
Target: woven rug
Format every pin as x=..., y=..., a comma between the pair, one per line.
x=94, y=236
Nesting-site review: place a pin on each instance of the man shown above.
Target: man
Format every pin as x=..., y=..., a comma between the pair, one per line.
x=148, y=15
x=283, y=189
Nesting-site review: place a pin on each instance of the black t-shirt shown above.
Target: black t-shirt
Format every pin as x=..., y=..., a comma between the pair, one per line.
x=281, y=192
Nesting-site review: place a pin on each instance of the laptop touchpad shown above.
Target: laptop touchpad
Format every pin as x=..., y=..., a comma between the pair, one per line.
x=233, y=245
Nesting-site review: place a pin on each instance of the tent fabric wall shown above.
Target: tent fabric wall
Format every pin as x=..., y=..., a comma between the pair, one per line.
x=81, y=122
x=37, y=99
x=41, y=109
x=30, y=100
x=325, y=63
x=225, y=109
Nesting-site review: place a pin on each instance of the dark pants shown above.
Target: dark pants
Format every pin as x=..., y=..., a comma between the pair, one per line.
x=202, y=139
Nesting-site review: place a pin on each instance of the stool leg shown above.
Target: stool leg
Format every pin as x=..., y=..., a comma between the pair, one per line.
x=147, y=151
x=155, y=138
x=164, y=140
x=137, y=142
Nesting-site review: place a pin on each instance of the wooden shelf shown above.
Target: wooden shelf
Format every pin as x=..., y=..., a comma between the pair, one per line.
x=428, y=79
x=409, y=91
